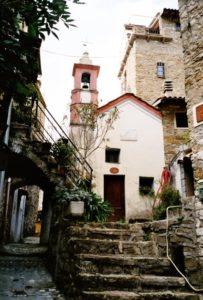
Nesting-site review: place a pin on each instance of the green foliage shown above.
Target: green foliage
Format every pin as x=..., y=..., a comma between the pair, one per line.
x=96, y=209
x=146, y=191
x=66, y=195
x=23, y=25
x=169, y=197
x=63, y=152
x=186, y=136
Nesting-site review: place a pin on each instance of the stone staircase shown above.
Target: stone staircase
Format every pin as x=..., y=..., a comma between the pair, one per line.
x=121, y=261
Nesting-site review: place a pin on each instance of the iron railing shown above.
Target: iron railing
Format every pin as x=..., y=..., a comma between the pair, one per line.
x=45, y=128
x=152, y=31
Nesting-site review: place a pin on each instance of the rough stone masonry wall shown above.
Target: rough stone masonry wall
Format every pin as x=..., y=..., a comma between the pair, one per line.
x=148, y=54
x=191, y=18
x=188, y=234
x=173, y=137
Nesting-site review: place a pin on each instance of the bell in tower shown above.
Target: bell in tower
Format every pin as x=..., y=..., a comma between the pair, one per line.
x=85, y=81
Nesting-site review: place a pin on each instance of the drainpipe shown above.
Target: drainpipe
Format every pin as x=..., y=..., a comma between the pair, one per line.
x=5, y=140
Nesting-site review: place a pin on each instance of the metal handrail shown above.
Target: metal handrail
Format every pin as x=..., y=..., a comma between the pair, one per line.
x=167, y=250
x=42, y=132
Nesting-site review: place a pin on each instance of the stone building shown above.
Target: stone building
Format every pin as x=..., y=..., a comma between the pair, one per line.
x=176, y=142
x=191, y=15
x=153, y=58
x=153, y=69
x=191, y=18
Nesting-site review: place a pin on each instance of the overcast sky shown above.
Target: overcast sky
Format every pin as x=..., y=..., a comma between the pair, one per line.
x=100, y=24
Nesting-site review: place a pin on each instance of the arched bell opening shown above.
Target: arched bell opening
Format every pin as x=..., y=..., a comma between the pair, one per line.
x=85, y=81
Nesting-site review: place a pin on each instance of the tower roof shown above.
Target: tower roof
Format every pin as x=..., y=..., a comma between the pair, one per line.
x=85, y=59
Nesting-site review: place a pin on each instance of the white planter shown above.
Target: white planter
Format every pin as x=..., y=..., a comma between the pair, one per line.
x=76, y=208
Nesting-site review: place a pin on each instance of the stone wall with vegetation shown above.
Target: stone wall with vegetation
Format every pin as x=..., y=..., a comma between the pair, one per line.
x=186, y=242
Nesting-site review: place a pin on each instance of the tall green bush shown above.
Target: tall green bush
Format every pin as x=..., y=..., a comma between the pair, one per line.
x=169, y=196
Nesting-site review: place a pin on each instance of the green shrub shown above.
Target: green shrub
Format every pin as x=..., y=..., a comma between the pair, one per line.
x=168, y=197
x=62, y=151
x=96, y=209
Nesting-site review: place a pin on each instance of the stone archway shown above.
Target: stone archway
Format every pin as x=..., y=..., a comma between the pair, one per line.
x=24, y=173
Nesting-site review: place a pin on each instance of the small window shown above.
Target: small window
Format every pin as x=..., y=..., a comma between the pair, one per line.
x=112, y=155
x=178, y=26
x=160, y=70
x=146, y=186
x=181, y=120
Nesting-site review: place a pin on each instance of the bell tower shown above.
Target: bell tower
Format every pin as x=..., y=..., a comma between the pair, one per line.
x=85, y=86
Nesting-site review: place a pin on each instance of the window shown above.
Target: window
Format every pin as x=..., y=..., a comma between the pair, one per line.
x=112, y=155
x=85, y=81
x=160, y=70
x=178, y=26
x=146, y=186
x=181, y=120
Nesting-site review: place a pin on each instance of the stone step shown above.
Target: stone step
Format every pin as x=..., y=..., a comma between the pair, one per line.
x=120, y=264
x=96, y=246
x=136, y=234
x=122, y=295
x=128, y=282
x=10, y=262
x=104, y=225
x=22, y=249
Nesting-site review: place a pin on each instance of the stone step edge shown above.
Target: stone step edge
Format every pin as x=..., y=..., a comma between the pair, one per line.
x=75, y=239
x=123, y=257
x=105, y=230
x=144, y=278
x=117, y=294
x=22, y=251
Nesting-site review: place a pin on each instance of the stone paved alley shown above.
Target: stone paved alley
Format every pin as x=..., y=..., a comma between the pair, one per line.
x=23, y=274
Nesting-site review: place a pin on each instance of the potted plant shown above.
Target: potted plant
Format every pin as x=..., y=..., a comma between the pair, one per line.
x=79, y=202
x=73, y=201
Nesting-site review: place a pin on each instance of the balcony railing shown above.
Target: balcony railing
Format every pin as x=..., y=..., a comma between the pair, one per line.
x=152, y=31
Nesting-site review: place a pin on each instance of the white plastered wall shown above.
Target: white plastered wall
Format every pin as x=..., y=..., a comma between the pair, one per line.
x=138, y=134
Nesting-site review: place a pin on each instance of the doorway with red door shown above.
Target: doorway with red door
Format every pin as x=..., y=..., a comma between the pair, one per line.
x=114, y=192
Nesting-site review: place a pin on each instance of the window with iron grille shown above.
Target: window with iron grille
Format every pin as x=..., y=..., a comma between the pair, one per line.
x=160, y=70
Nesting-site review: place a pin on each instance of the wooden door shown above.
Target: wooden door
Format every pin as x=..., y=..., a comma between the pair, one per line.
x=114, y=192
